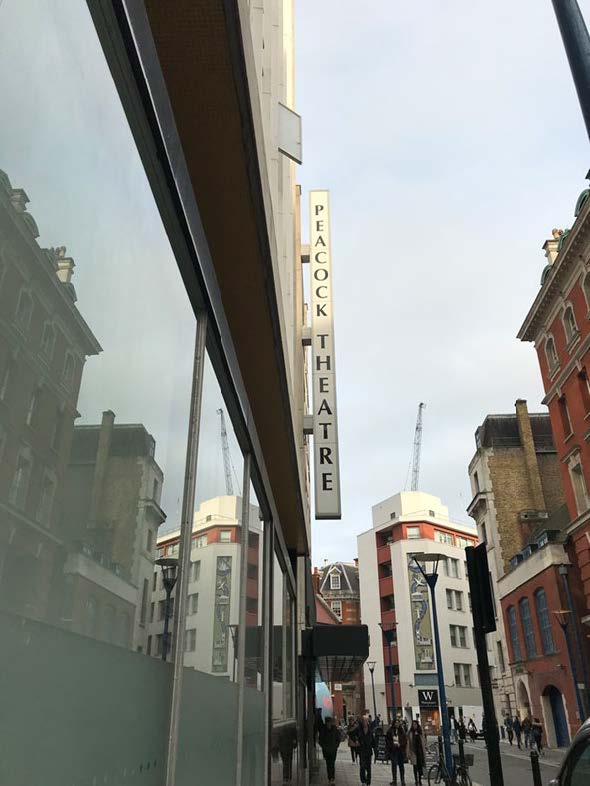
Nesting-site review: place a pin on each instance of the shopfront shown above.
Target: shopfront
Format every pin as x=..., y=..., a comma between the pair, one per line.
x=140, y=294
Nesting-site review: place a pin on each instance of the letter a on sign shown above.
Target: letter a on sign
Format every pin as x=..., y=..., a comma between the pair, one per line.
x=325, y=422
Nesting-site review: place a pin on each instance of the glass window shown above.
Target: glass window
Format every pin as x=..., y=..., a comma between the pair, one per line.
x=48, y=341
x=458, y=635
x=195, y=571
x=450, y=599
x=225, y=536
x=451, y=567
x=462, y=673
x=444, y=537
x=569, y=323
x=334, y=581
x=336, y=607
x=190, y=642
x=544, y=622
x=578, y=483
x=551, y=354
x=501, y=661
x=24, y=311
x=413, y=533
x=458, y=600
x=513, y=627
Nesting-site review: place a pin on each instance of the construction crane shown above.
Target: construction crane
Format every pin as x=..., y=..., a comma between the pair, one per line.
x=417, y=448
x=227, y=465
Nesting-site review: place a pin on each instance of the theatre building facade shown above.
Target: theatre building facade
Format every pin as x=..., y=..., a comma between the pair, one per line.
x=151, y=274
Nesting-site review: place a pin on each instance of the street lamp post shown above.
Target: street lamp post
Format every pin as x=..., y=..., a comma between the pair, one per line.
x=169, y=567
x=563, y=620
x=431, y=577
x=371, y=664
x=577, y=47
x=390, y=638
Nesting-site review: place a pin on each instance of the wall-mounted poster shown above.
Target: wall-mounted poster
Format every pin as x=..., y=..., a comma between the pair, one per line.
x=221, y=614
x=421, y=624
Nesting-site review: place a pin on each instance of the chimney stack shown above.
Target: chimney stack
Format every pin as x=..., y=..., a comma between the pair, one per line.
x=100, y=466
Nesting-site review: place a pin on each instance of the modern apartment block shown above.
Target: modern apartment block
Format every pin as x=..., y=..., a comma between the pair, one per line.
x=517, y=490
x=394, y=597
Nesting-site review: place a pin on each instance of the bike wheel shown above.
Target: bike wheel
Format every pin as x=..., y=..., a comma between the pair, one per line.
x=463, y=778
x=435, y=775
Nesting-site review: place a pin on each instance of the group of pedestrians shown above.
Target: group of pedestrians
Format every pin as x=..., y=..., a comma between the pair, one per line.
x=529, y=731
x=403, y=745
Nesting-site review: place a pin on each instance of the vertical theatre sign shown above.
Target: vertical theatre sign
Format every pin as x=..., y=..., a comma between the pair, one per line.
x=325, y=422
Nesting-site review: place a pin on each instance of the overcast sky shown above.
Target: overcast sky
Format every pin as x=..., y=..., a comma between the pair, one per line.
x=450, y=137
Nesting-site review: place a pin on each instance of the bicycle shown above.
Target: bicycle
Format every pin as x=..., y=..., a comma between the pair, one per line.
x=438, y=774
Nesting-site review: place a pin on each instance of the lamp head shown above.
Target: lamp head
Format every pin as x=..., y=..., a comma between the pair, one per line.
x=169, y=567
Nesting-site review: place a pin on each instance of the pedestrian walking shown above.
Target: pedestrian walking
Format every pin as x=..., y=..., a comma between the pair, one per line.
x=353, y=725
x=329, y=742
x=396, y=746
x=509, y=729
x=462, y=730
x=526, y=731
x=537, y=736
x=417, y=751
x=472, y=730
x=517, y=728
x=366, y=745
x=287, y=744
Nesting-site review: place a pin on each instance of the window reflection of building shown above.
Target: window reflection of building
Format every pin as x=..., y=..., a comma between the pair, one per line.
x=213, y=608
x=111, y=517
x=40, y=326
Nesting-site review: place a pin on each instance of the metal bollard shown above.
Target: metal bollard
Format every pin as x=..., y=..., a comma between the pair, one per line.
x=535, y=768
x=461, y=752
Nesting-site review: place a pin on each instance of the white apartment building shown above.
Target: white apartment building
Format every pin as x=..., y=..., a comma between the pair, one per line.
x=214, y=591
x=395, y=596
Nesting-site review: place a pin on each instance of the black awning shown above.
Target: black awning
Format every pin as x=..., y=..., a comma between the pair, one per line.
x=339, y=651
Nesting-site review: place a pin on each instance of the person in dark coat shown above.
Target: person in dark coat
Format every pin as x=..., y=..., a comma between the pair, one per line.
x=396, y=746
x=353, y=725
x=329, y=738
x=287, y=744
x=417, y=751
x=462, y=730
x=365, y=746
x=517, y=728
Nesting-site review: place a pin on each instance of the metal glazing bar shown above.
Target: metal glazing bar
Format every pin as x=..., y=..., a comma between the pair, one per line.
x=245, y=534
x=186, y=528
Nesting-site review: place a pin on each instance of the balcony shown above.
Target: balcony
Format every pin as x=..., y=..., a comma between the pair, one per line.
x=386, y=586
x=388, y=617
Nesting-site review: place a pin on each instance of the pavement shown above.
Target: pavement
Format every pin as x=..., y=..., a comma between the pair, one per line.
x=516, y=767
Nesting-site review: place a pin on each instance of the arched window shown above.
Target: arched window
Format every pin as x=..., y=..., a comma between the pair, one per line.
x=48, y=341
x=512, y=624
x=527, y=627
x=544, y=618
x=569, y=323
x=24, y=310
x=586, y=288
x=45, y=506
x=19, y=490
x=550, y=353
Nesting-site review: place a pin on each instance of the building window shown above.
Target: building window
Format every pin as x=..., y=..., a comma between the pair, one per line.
x=161, y=610
x=451, y=567
x=454, y=600
x=225, y=536
x=335, y=581
x=20, y=483
x=158, y=644
x=152, y=611
x=201, y=541
x=193, y=603
x=501, y=662
x=462, y=675
x=450, y=599
x=45, y=506
x=190, y=641
x=336, y=607
x=578, y=483
x=584, y=386
x=566, y=423
x=431, y=513
x=144, y=602
x=551, y=354
x=444, y=537
x=149, y=645
x=155, y=583
x=195, y=571
x=513, y=627
x=527, y=627
x=68, y=372
x=24, y=311
x=569, y=324
x=412, y=533
x=48, y=341
x=544, y=618
x=172, y=550
x=458, y=636
x=463, y=543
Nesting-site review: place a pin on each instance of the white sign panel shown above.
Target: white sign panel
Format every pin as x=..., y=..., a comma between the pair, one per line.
x=325, y=419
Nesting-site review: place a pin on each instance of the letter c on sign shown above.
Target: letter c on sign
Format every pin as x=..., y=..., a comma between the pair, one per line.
x=318, y=260
x=317, y=292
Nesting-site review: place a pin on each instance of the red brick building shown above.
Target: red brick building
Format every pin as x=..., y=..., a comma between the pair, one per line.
x=337, y=586
x=558, y=324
